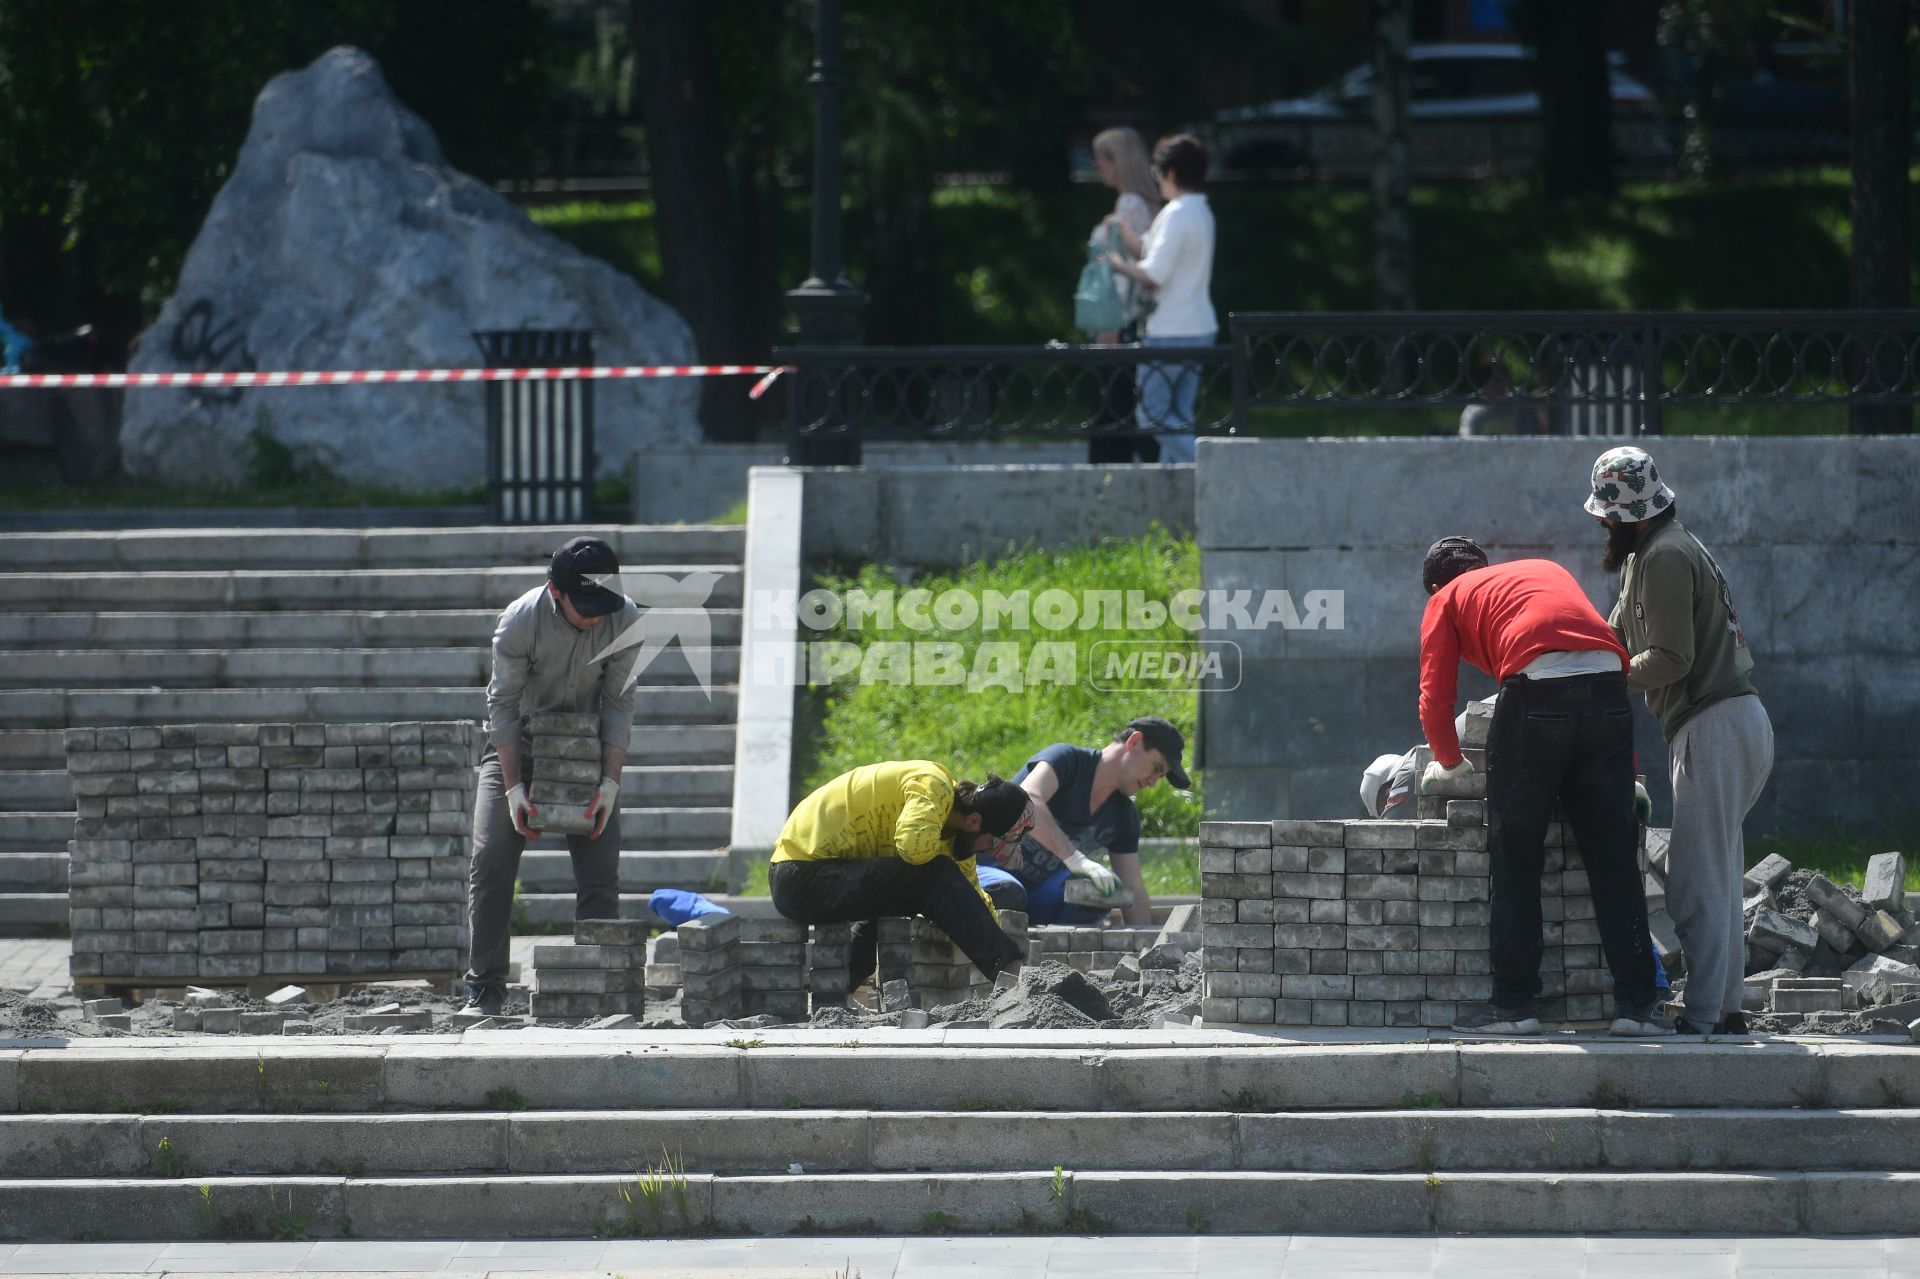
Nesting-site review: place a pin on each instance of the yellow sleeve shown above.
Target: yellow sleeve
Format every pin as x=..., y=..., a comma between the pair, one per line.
x=917, y=834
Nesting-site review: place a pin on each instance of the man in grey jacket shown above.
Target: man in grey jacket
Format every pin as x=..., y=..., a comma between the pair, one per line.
x=550, y=653
x=1677, y=619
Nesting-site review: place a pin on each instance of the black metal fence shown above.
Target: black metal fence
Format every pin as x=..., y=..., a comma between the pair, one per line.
x=1555, y=372
x=539, y=433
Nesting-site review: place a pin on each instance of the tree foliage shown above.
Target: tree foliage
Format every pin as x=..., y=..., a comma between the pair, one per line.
x=119, y=120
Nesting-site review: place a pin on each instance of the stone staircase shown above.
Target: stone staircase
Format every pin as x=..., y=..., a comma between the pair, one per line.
x=334, y=625
x=553, y=1134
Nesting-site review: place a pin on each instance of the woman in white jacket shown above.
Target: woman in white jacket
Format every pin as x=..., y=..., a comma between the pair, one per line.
x=1176, y=263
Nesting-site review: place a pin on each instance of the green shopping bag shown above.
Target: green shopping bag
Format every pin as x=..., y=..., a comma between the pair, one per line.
x=1097, y=305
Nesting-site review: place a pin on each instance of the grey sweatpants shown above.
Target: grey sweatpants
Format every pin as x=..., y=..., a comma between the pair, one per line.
x=496, y=865
x=1719, y=762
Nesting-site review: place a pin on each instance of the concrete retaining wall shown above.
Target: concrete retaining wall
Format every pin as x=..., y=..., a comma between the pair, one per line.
x=693, y=483
x=1819, y=537
x=942, y=516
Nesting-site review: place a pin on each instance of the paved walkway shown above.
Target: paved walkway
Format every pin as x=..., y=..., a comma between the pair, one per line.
x=35, y=966
x=1026, y=1257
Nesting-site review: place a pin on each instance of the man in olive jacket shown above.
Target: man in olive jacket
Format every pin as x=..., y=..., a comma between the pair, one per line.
x=1689, y=656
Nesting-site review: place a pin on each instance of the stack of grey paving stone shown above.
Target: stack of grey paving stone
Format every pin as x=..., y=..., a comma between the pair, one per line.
x=564, y=774
x=1854, y=950
x=710, y=977
x=1373, y=923
x=1092, y=947
x=829, y=957
x=602, y=974
x=773, y=968
x=230, y=852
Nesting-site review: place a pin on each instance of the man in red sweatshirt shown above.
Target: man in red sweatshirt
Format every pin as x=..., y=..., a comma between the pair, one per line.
x=1562, y=733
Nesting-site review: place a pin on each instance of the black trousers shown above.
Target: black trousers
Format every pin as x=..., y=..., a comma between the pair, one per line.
x=1568, y=741
x=861, y=891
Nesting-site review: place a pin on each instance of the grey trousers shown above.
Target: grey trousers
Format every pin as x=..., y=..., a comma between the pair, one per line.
x=1719, y=762
x=495, y=866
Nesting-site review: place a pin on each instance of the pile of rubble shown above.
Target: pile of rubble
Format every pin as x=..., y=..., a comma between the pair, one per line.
x=1822, y=957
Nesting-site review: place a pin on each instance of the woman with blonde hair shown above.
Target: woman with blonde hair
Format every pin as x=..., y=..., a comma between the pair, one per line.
x=1121, y=157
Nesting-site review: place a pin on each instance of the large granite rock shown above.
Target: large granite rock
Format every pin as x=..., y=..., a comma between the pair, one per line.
x=343, y=240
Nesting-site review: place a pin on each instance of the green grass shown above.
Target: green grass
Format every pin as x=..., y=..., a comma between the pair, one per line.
x=1841, y=858
x=996, y=728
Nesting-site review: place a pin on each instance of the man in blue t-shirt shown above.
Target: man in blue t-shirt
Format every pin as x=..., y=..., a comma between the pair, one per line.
x=1084, y=802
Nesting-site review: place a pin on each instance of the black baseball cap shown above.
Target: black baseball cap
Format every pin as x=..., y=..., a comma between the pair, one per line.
x=1166, y=739
x=587, y=571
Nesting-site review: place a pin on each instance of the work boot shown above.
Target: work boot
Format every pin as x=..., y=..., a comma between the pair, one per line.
x=485, y=1001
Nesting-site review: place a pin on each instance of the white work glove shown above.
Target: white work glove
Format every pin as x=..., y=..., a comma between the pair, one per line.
x=1103, y=879
x=1437, y=772
x=521, y=811
x=603, y=804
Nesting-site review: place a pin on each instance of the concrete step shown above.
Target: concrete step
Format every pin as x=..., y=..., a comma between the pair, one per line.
x=573, y=1142
x=345, y=549
x=1069, y=1201
x=32, y=748
x=59, y=708
x=331, y=589
x=37, y=789
x=375, y=628
x=550, y=870
x=973, y=1071
x=32, y=914
x=36, y=872
x=678, y=784
x=229, y=667
x=35, y=832
x=652, y=745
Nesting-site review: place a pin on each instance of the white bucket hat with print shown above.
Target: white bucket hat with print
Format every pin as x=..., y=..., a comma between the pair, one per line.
x=1627, y=487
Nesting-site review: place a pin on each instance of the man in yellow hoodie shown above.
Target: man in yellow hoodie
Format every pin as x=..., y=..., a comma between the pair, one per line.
x=899, y=838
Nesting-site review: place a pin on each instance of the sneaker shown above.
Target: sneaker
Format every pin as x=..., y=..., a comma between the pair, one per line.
x=1734, y=1023
x=1643, y=1022
x=485, y=1001
x=1681, y=1026
x=1492, y=1019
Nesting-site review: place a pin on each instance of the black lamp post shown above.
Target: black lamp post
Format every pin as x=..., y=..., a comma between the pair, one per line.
x=827, y=306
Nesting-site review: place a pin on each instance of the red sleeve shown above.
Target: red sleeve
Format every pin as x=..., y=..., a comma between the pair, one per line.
x=1440, y=678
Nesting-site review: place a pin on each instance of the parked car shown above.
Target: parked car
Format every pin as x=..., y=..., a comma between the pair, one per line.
x=1473, y=108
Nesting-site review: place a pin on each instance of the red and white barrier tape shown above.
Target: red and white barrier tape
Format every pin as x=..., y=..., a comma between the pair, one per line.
x=768, y=374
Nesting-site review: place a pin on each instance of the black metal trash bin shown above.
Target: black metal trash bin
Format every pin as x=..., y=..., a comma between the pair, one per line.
x=539, y=434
